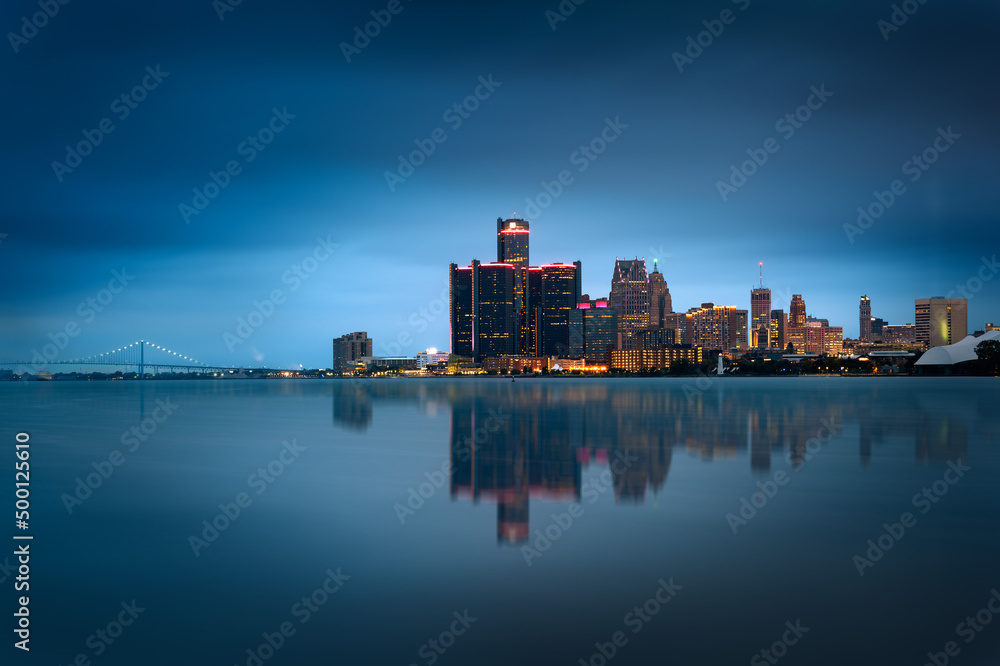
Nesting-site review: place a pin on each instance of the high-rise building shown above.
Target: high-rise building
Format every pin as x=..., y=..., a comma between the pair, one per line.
x=941, y=321
x=553, y=293
x=760, y=318
x=512, y=242
x=630, y=297
x=779, y=322
x=593, y=332
x=660, y=303
x=511, y=308
x=876, y=328
x=677, y=322
x=482, y=310
x=512, y=248
x=797, y=312
x=717, y=327
x=833, y=340
x=865, y=319
x=462, y=314
x=348, y=348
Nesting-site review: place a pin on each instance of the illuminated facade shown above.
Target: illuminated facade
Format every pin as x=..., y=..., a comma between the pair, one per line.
x=515, y=364
x=760, y=318
x=677, y=322
x=482, y=310
x=660, y=303
x=593, y=332
x=941, y=321
x=865, y=319
x=508, y=307
x=553, y=291
x=797, y=312
x=430, y=357
x=630, y=297
x=658, y=338
x=717, y=327
x=512, y=242
x=512, y=248
x=833, y=340
x=461, y=314
x=899, y=334
x=816, y=337
x=634, y=360
x=347, y=349
x=779, y=324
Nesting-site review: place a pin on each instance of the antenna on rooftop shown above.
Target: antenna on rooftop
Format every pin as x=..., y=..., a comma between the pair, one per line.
x=761, y=266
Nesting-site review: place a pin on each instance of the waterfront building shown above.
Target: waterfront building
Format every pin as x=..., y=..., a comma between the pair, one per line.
x=940, y=321
x=348, y=348
x=593, y=332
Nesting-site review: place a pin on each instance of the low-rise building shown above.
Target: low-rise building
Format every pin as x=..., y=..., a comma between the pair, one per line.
x=634, y=360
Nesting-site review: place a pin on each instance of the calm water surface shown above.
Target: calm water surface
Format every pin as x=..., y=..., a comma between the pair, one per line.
x=688, y=523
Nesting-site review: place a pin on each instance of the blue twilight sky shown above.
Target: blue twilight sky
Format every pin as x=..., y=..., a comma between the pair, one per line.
x=211, y=82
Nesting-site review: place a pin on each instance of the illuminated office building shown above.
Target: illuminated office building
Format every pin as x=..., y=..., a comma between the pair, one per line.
x=797, y=312
x=865, y=319
x=941, y=321
x=482, y=310
x=779, y=323
x=593, y=332
x=717, y=327
x=512, y=242
x=660, y=303
x=630, y=297
x=553, y=291
x=677, y=322
x=760, y=318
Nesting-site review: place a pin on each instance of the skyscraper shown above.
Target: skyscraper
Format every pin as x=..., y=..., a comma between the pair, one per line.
x=779, y=322
x=630, y=297
x=462, y=316
x=593, y=331
x=865, y=319
x=553, y=292
x=512, y=248
x=760, y=318
x=941, y=321
x=797, y=312
x=482, y=310
x=512, y=242
x=659, y=298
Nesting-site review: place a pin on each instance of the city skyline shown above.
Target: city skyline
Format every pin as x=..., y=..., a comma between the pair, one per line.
x=605, y=140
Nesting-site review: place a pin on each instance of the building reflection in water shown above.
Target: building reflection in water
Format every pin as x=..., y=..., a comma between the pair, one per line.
x=511, y=443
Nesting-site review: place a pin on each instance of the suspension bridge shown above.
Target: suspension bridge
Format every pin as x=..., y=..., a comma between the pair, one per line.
x=142, y=357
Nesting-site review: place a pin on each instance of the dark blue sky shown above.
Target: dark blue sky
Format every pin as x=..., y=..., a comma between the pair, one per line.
x=654, y=191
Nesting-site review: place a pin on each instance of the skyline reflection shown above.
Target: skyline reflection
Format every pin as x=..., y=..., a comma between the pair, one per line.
x=535, y=439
